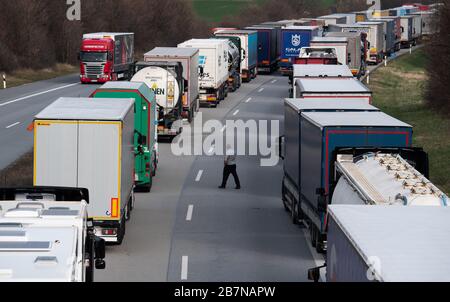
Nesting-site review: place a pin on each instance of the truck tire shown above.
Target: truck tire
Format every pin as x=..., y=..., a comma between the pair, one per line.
x=128, y=210
x=122, y=230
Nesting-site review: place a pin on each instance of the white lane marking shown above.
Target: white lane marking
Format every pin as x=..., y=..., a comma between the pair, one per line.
x=36, y=94
x=12, y=125
x=248, y=100
x=274, y=81
x=189, y=212
x=184, y=267
x=223, y=128
x=261, y=90
x=199, y=176
x=236, y=112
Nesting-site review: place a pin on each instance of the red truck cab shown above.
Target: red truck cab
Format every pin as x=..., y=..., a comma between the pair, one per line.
x=106, y=57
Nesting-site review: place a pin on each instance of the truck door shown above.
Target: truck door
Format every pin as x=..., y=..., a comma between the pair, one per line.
x=99, y=155
x=55, y=161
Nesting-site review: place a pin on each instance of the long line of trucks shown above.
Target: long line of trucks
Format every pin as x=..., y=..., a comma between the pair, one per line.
x=92, y=154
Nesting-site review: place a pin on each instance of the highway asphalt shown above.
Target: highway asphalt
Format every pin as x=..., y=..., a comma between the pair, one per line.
x=187, y=229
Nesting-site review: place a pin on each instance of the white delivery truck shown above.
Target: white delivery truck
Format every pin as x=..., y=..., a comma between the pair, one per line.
x=213, y=69
x=89, y=143
x=387, y=244
x=189, y=59
x=416, y=27
x=45, y=236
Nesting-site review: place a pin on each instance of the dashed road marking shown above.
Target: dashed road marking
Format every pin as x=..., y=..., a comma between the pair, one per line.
x=12, y=125
x=248, y=100
x=236, y=112
x=189, y=212
x=274, y=81
x=261, y=90
x=199, y=176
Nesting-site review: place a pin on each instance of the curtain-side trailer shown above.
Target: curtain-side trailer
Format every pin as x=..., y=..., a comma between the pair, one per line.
x=267, y=48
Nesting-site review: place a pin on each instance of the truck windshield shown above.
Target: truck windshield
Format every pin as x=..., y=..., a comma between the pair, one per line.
x=93, y=56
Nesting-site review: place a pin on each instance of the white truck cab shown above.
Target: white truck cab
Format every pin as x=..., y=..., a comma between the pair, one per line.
x=45, y=236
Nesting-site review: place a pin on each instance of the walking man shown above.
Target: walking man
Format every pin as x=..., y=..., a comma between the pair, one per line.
x=230, y=168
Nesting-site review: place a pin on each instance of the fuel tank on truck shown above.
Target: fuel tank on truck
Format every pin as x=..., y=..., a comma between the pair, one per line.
x=164, y=84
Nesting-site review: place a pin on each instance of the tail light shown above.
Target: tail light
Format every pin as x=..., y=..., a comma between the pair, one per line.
x=285, y=60
x=109, y=232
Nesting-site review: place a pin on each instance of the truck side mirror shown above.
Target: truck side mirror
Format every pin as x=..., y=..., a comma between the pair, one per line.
x=100, y=253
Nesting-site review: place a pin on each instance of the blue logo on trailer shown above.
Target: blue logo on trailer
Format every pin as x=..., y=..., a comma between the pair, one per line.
x=292, y=41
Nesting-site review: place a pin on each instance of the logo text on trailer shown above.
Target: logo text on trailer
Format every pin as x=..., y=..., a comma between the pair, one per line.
x=74, y=11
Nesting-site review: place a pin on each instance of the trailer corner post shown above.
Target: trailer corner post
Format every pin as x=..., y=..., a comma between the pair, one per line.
x=4, y=81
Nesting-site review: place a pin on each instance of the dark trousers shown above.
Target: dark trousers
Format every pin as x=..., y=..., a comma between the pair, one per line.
x=227, y=170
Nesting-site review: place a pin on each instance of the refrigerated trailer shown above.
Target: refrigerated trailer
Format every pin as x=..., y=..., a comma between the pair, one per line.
x=249, y=51
x=267, y=48
x=388, y=244
x=145, y=120
x=315, y=140
x=188, y=57
x=106, y=57
x=331, y=87
x=166, y=81
x=213, y=69
x=46, y=236
x=88, y=143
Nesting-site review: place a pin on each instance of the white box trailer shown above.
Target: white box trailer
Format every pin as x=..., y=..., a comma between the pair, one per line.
x=407, y=39
x=377, y=42
x=338, y=43
x=417, y=26
x=355, y=49
x=213, y=68
x=45, y=236
x=318, y=71
x=89, y=143
x=188, y=57
x=429, y=22
x=331, y=87
x=388, y=244
x=375, y=37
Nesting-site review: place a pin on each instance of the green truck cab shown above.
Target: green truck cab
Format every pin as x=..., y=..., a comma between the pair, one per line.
x=145, y=132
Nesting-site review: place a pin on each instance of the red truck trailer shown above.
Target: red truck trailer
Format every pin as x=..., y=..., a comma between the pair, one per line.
x=106, y=57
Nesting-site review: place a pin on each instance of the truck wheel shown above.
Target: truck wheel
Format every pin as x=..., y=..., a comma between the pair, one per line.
x=121, y=233
x=128, y=210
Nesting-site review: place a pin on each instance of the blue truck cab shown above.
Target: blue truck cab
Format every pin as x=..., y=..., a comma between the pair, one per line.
x=293, y=39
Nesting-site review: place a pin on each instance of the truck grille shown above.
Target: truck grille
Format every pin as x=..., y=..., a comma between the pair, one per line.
x=92, y=71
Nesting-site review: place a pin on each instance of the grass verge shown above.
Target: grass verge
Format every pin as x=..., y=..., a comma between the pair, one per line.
x=19, y=173
x=25, y=76
x=399, y=91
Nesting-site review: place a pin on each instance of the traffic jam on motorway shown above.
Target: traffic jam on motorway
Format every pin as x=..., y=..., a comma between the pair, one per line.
x=350, y=172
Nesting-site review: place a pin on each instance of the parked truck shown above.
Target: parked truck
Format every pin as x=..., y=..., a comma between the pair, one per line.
x=373, y=35
x=316, y=55
x=318, y=138
x=145, y=132
x=88, y=143
x=234, y=62
x=293, y=39
x=106, y=57
x=46, y=236
x=249, y=51
x=377, y=41
x=213, y=69
x=356, y=49
x=407, y=39
x=319, y=71
x=340, y=44
x=429, y=23
x=390, y=35
x=267, y=48
x=166, y=81
x=189, y=59
x=387, y=244
x=312, y=88
x=397, y=30
x=417, y=28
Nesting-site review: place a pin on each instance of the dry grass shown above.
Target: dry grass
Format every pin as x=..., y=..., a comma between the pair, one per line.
x=19, y=173
x=25, y=76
